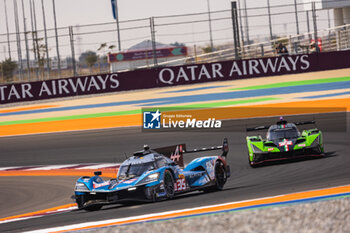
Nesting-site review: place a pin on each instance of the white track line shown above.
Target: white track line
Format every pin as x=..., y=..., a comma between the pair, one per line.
x=66, y=166
x=52, y=167
x=7, y=168
x=99, y=166
x=93, y=225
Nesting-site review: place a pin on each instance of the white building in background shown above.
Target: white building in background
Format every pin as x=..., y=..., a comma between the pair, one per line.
x=341, y=9
x=141, y=55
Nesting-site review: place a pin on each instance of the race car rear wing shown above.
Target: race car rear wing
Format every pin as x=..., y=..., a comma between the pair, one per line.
x=176, y=152
x=257, y=128
x=305, y=123
x=224, y=148
x=284, y=122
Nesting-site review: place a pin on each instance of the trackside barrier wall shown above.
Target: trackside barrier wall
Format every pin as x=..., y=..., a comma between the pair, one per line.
x=173, y=76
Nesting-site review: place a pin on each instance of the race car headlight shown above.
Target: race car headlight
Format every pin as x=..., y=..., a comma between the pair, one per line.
x=81, y=187
x=150, y=178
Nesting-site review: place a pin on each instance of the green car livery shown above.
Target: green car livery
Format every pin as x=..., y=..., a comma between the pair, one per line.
x=284, y=141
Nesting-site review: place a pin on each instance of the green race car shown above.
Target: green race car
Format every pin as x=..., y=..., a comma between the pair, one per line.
x=284, y=141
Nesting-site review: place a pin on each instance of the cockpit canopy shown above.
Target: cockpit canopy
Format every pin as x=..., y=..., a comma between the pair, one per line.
x=281, y=131
x=136, y=165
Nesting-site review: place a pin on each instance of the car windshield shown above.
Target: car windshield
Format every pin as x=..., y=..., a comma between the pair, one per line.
x=282, y=133
x=129, y=171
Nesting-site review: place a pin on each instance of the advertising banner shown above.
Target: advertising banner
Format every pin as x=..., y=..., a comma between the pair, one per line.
x=172, y=76
x=147, y=54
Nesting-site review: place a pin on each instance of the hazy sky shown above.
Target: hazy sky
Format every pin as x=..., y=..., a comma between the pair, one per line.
x=72, y=12
x=82, y=12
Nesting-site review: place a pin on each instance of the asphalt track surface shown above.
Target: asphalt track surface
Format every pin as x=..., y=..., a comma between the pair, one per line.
x=110, y=144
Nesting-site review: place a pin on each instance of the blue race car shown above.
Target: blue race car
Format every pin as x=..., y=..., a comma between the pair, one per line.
x=152, y=175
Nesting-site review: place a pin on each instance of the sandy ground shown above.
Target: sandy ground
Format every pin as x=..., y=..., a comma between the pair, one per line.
x=314, y=217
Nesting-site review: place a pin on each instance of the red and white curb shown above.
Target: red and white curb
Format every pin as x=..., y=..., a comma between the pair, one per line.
x=38, y=214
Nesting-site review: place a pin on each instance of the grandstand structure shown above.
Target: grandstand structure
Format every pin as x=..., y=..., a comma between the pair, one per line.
x=341, y=9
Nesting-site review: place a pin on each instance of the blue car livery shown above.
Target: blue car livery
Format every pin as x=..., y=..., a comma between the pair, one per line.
x=152, y=175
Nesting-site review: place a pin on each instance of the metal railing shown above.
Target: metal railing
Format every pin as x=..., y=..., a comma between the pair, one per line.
x=191, y=30
x=333, y=39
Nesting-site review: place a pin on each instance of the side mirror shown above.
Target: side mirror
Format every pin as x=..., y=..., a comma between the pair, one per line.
x=97, y=173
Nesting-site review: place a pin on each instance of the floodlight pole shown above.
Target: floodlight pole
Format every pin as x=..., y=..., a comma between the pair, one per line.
x=235, y=28
x=7, y=30
x=210, y=28
x=270, y=23
x=117, y=21
x=315, y=25
x=18, y=39
x=296, y=16
x=26, y=41
x=46, y=42
x=56, y=35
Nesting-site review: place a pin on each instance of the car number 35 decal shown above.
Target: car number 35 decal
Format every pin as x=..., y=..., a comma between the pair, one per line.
x=180, y=184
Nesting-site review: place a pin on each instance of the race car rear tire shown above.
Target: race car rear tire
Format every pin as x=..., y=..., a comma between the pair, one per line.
x=220, y=177
x=169, y=184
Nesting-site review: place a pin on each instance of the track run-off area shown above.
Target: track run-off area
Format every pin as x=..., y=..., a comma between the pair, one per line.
x=46, y=146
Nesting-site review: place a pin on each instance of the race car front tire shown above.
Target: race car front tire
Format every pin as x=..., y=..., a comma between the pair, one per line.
x=81, y=202
x=256, y=159
x=251, y=163
x=169, y=184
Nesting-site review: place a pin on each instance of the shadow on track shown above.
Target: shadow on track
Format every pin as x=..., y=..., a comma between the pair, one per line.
x=179, y=197
x=296, y=160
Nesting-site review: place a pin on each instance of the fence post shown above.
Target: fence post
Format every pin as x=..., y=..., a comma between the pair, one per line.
x=26, y=41
x=46, y=43
x=246, y=21
x=33, y=39
x=116, y=12
x=7, y=30
x=71, y=37
x=296, y=16
x=56, y=35
x=347, y=34
x=154, y=47
x=338, y=40
x=315, y=25
x=308, y=25
x=2, y=80
x=18, y=39
x=240, y=23
x=290, y=44
x=235, y=28
x=270, y=24
x=210, y=29
x=262, y=50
